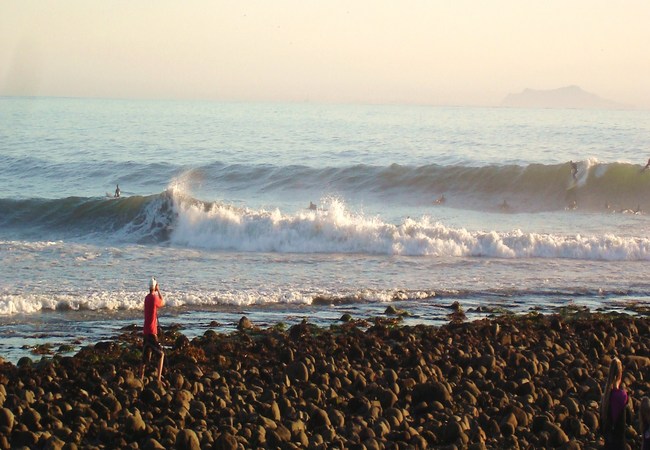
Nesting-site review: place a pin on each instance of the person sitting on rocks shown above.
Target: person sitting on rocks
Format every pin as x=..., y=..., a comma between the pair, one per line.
x=644, y=423
x=152, y=302
x=613, y=408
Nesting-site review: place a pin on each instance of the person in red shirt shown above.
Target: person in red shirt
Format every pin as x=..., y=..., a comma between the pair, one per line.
x=152, y=302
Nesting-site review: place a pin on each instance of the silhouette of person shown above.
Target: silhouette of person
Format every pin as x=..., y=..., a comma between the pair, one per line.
x=613, y=407
x=646, y=166
x=151, y=345
x=117, y=191
x=574, y=170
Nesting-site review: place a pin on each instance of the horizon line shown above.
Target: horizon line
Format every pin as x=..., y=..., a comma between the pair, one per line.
x=621, y=107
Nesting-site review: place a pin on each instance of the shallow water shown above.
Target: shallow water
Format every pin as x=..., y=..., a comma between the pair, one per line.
x=215, y=200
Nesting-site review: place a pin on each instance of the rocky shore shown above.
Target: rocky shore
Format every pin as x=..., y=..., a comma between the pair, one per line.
x=509, y=382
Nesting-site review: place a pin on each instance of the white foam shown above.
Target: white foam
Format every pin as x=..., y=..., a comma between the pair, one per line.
x=182, y=184
x=28, y=303
x=337, y=230
x=584, y=168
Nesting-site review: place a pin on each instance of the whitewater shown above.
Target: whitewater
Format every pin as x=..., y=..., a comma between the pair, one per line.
x=418, y=207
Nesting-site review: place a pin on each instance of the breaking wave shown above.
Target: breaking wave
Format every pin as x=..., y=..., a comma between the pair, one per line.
x=177, y=219
x=529, y=188
x=532, y=188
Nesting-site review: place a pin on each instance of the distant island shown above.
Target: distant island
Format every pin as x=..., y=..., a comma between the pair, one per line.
x=566, y=97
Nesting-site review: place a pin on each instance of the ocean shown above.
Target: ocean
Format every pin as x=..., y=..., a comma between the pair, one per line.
x=413, y=206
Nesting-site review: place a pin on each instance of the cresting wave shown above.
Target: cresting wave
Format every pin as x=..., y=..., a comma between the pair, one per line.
x=133, y=219
x=176, y=219
x=533, y=188
x=618, y=186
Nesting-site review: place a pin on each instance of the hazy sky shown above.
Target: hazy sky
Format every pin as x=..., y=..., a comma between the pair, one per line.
x=451, y=52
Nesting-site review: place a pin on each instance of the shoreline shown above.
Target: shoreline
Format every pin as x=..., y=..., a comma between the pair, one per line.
x=49, y=334
x=513, y=381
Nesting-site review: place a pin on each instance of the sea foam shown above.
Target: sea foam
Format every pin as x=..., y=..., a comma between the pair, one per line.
x=335, y=229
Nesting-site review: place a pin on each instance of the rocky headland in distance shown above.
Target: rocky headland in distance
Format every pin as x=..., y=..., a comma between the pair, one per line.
x=571, y=97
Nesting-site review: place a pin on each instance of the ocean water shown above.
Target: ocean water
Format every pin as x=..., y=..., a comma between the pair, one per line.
x=215, y=204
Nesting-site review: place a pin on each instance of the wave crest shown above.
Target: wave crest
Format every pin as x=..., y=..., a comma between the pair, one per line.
x=175, y=217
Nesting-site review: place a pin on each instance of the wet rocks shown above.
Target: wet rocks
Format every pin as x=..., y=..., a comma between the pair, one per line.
x=187, y=440
x=510, y=382
x=245, y=324
x=6, y=420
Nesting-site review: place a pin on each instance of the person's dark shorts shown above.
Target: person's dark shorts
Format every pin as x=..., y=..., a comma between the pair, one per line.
x=151, y=345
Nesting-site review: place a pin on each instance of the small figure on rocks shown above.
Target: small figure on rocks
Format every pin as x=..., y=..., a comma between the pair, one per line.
x=613, y=408
x=644, y=423
x=152, y=302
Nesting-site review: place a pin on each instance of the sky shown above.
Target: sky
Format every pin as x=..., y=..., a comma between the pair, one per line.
x=436, y=52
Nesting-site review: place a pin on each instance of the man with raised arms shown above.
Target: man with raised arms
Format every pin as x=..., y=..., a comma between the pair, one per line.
x=152, y=302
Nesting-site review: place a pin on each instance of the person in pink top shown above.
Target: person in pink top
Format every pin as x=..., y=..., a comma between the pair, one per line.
x=152, y=302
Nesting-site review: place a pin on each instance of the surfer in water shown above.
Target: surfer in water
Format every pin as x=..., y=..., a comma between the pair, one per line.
x=117, y=191
x=312, y=207
x=574, y=170
x=646, y=166
x=440, y=200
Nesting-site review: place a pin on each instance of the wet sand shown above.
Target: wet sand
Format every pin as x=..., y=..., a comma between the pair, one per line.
x=532, y=381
